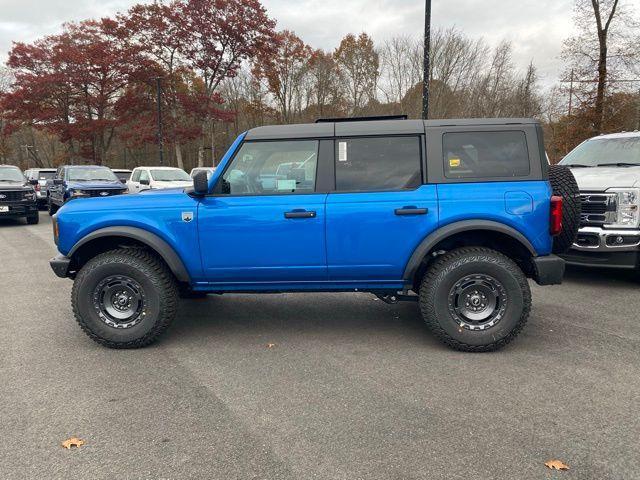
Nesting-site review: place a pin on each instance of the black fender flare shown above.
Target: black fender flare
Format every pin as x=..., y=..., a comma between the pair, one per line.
x=152, y=240
x=454, y=228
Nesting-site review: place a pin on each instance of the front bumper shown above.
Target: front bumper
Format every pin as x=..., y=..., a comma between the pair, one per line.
x=60, y=265
x=19, y=209
x=549, y=270
x=601, y=247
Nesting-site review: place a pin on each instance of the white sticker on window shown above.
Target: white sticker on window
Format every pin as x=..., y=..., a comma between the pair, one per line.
x=289, y=185
x=342, y=151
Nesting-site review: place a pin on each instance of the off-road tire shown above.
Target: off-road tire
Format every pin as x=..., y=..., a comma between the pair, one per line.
x=33, y=219
x=51, y=208
x=450, y=268
x=155, y=278
x=564, y=185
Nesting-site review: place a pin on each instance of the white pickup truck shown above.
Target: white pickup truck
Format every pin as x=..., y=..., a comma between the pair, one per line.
x=607, y=169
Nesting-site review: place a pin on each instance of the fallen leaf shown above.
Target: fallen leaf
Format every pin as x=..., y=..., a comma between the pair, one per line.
x=556, y=465
x=72, y=442
x=271, y=345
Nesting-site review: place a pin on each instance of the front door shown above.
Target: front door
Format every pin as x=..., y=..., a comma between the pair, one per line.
x=380, y=211
x=264, y=224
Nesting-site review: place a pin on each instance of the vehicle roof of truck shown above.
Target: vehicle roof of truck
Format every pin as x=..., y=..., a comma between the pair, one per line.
x=12, y=166
x=634, y=134
x=158, y=168
x=371, y=127
x=84, y=166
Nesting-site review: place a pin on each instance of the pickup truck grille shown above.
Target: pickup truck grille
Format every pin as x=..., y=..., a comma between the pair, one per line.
x=102, y=193
x=598, y=208
x=11, y=195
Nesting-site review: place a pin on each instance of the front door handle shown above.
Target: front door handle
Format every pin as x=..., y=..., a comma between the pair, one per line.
x=300, y=214
x=411, y=211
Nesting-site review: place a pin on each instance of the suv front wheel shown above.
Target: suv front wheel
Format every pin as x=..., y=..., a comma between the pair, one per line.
x=475, y=299
x=125, y=298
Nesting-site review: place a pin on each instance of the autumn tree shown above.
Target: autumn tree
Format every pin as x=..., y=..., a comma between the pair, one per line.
x=325, y=96
x=358, y=64
x=217, y=37
x=284, y=71
x=605, y=46
x=71, y=84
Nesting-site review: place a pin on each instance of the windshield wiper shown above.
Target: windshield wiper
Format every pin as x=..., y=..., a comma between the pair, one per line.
x=576, y=165
x=619, y=164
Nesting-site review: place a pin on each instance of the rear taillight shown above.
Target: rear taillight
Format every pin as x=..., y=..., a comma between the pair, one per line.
x=555, y=222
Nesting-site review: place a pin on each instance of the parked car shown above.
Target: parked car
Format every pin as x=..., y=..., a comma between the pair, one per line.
x=41, y=175
x=147, y=178
x=17, y=195
x=607, y=169
x=122, y=174
x=208, y=170
x=81, y=181
x=454, y=214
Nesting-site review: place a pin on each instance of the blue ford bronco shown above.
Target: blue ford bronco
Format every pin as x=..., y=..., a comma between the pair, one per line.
x=453, y=214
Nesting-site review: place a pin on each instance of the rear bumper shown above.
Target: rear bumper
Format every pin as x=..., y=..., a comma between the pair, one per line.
x=603, y=259
x=549, y=270
x=60, y=265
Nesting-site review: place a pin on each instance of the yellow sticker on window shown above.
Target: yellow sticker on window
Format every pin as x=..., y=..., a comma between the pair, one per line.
x=454, y=162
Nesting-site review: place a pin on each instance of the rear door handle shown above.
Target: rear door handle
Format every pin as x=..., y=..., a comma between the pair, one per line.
x=411, y=211
x=300, y=214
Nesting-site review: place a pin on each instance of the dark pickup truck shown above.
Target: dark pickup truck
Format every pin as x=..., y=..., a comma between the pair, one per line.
x=17, y=195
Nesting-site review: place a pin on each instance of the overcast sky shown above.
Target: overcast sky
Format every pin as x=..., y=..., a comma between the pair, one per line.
x=536, y=27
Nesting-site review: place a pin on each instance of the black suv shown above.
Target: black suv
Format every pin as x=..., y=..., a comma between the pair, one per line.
x=17, y=195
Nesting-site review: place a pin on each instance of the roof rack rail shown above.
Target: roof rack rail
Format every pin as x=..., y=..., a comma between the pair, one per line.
x=362, y=119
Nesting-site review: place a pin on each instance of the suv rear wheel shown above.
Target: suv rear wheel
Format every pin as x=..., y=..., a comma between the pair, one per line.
x=124, y=298
x=475, y=299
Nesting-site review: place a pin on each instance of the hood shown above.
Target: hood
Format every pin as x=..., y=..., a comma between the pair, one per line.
x=12, y=185
x=599, y=179
x=95, y=185
x=179, y=184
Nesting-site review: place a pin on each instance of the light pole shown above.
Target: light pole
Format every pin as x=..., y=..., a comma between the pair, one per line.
x=427, y=46
x=159, y=101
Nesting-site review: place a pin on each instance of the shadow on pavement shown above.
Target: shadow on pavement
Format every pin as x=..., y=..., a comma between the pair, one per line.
x=602, y=276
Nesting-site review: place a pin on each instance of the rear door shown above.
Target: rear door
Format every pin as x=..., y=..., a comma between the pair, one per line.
x=380, y=210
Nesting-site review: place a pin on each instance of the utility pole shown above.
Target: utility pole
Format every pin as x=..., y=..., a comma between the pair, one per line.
x=427, y=67
x=571, y=92
x=159, y=101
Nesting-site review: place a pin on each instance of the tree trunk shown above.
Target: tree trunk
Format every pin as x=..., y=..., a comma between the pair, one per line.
x=602, y=81
x=179, y=161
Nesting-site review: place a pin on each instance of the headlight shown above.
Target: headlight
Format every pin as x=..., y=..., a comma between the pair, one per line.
x=77, y=193
x=628, y=211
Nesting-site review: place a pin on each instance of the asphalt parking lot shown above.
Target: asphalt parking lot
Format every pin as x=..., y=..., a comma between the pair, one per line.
x=352, y=388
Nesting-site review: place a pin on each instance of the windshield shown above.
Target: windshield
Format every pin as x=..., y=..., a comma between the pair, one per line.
x=605, y=151
x=92, y=174
x=45, y=175
x=176, y=175
x=11, y=174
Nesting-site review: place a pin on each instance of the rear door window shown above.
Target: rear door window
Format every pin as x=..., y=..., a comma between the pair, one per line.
x=378, y=164
x=485, y=154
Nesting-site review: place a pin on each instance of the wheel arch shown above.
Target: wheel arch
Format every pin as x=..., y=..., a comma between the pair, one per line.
x=109, y=238
x=486, y=233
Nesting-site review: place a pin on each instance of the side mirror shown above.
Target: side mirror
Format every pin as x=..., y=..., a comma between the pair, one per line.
x=200, y=183
x=144, y=181
x=33, y=181
x=58, y=181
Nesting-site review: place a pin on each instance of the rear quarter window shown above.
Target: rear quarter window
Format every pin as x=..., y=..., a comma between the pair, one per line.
x=485, y=154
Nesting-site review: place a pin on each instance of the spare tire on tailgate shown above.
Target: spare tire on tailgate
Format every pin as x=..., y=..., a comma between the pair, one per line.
x=564, y=185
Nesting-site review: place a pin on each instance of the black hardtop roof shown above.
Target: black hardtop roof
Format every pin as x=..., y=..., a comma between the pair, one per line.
x=371, y=127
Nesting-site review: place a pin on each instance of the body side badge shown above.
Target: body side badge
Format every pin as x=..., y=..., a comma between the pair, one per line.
x=187, y=217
